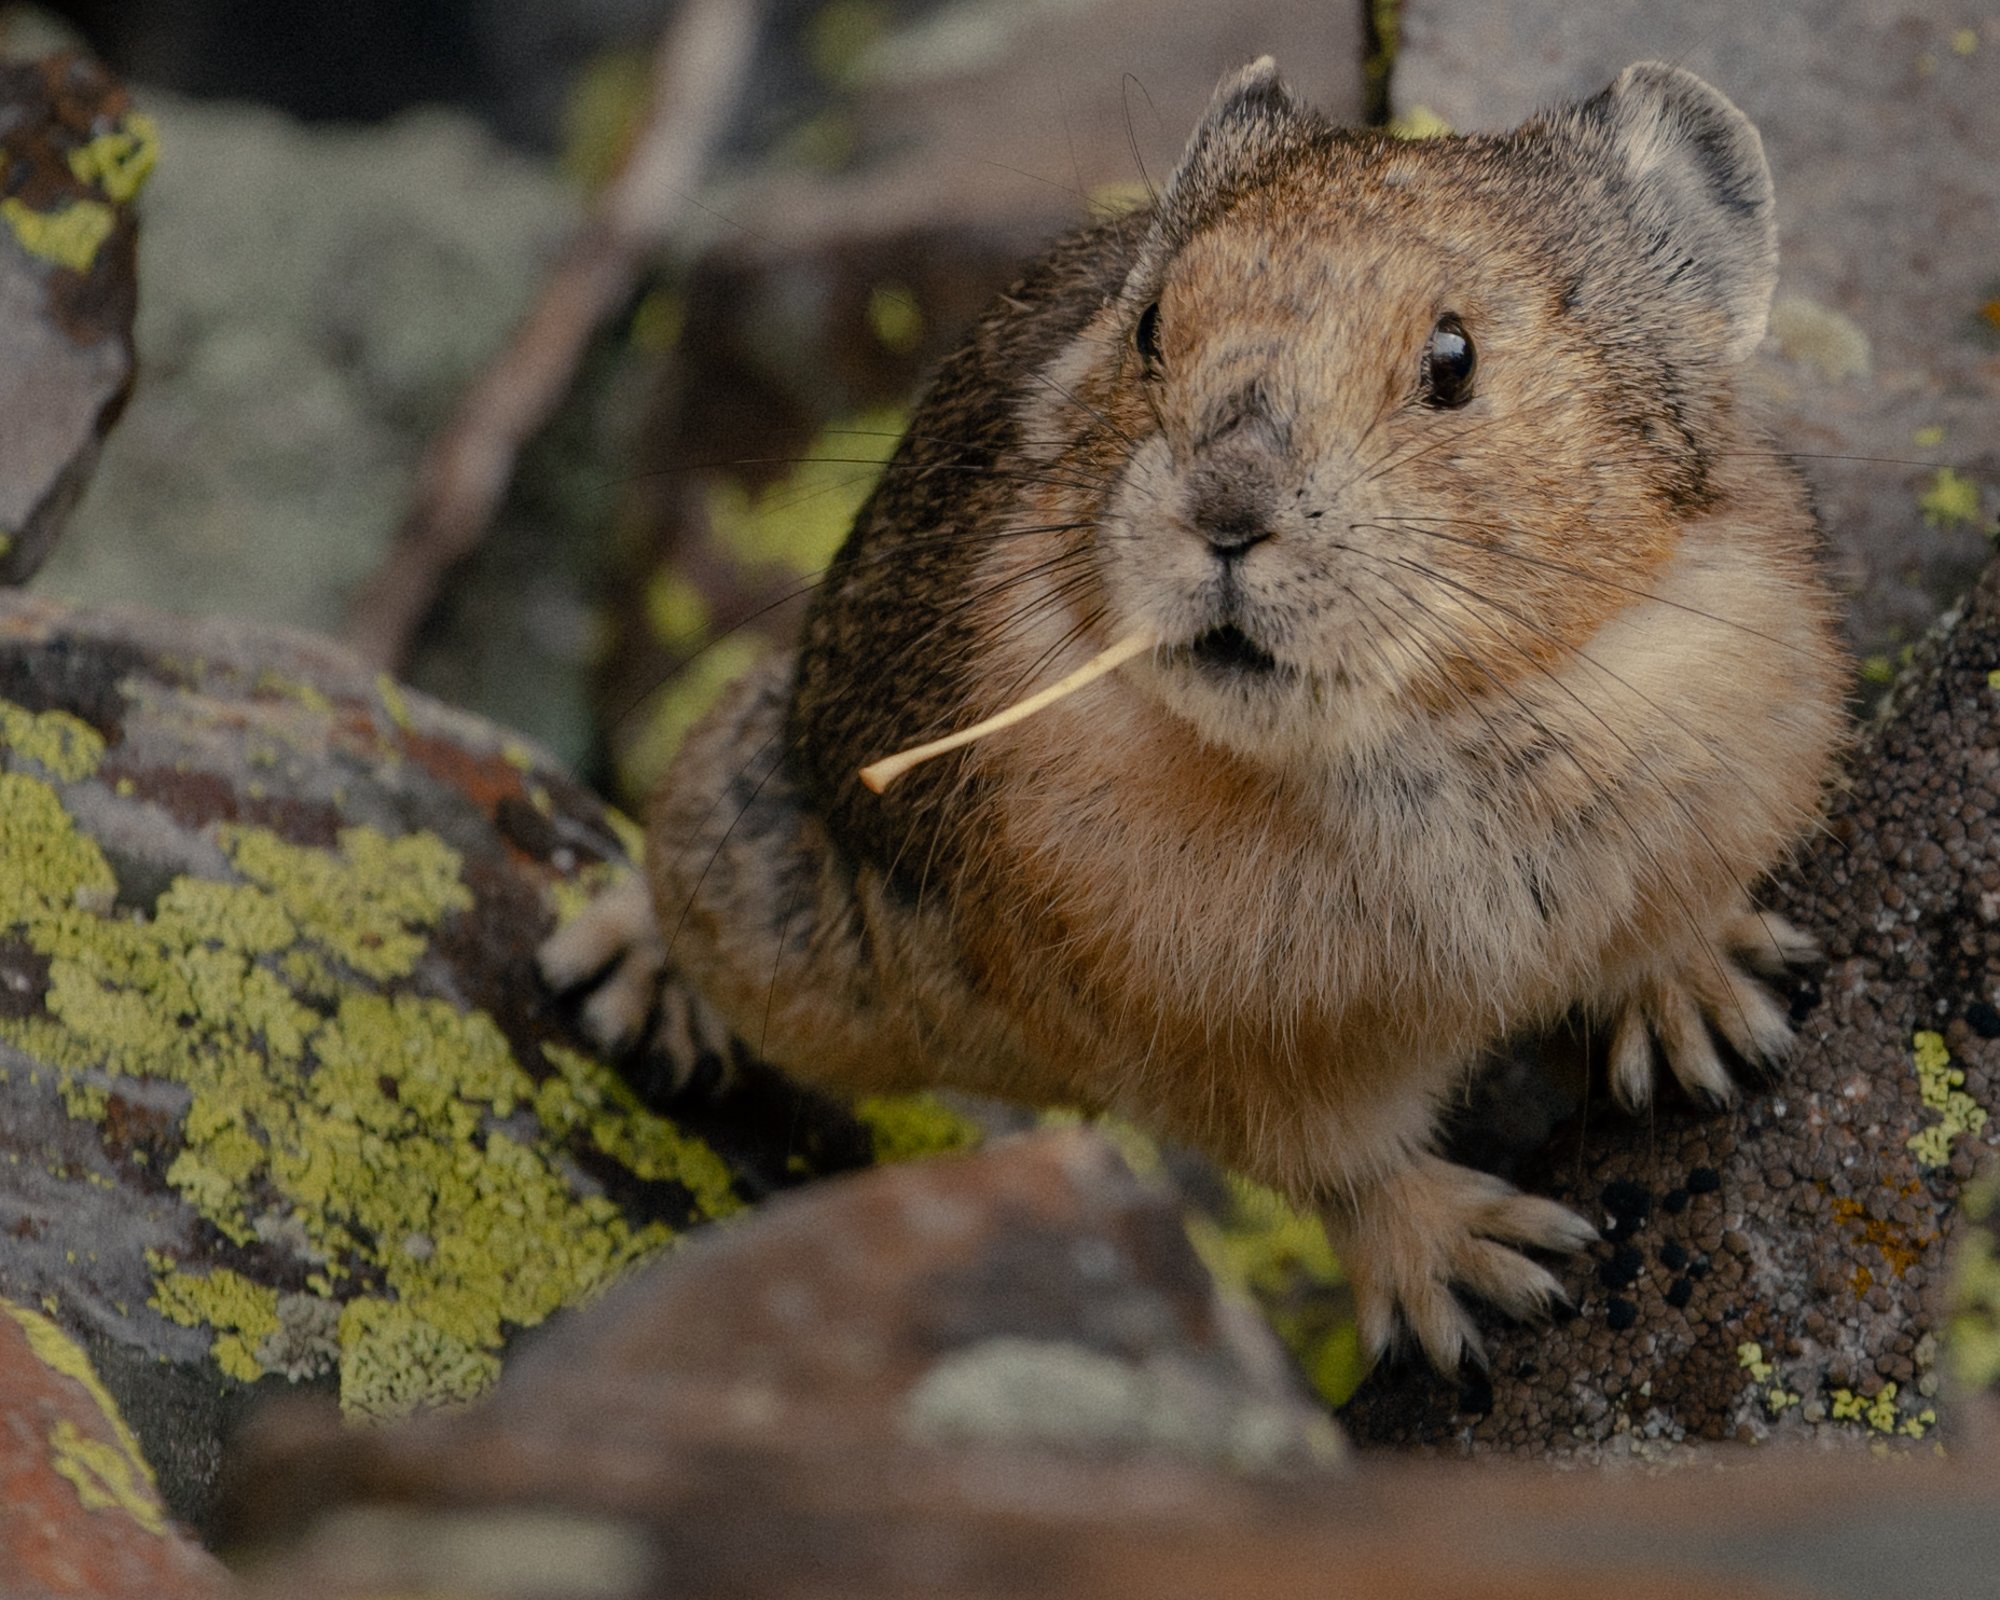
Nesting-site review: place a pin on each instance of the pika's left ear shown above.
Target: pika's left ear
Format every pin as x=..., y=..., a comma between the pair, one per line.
x=1698, y=189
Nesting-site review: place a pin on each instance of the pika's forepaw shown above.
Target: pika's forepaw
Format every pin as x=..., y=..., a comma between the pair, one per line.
x=1408, y=1242
x=1717, y=991
x=614, y=948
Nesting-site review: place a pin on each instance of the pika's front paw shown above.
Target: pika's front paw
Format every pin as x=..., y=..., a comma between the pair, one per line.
x=614, y=948
x=1409, y=1240
x=1716, y=991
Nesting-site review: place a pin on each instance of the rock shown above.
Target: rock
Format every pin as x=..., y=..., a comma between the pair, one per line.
x=746, y=1419
x=81, y=1515
x=286, y=1103
x=73, y=154
x=1880, y=123
x=1784, y=1270
x=1035, y=1298
x=315, y=301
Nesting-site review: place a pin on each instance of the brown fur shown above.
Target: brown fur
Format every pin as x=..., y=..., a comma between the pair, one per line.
x=1550, y=677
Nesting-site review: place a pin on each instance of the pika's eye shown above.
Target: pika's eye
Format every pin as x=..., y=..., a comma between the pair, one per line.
x=1146, y=337
x=1449, y=360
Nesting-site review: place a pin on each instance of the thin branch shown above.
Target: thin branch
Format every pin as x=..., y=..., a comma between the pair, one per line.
x=697, y=74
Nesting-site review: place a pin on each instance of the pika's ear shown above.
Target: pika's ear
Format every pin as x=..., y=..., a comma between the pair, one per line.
x=1693, y=175
x=1246, y=119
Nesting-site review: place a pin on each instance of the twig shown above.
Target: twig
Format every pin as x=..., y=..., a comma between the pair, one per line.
x=697, y=73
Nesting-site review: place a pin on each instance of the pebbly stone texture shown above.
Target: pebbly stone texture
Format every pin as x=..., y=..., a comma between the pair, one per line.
x=80, y=1514
x=73, y=154
x=286, y=1104
x=1879, y=121
x=1784, y=1270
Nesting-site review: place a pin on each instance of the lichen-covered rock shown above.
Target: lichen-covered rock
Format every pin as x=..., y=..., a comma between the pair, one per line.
x=285, y=1101
x=1784, y=1270
x=73, y=154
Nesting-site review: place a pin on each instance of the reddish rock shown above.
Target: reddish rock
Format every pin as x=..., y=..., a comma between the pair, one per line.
x=80, y=1515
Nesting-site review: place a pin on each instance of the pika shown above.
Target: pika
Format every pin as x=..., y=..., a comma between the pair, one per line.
x=1487, y=666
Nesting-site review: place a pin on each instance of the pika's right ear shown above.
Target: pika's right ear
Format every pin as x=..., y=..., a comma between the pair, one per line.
x=1247, y=119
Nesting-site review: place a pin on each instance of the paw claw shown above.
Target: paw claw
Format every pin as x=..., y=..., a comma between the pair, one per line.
x=1415, y=1238
x=1711, y=993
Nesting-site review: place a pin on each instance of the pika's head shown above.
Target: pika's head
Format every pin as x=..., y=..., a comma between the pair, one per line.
x=1377, y=425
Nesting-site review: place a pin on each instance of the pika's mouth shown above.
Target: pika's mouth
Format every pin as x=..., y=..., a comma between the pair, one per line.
x=1228, y=651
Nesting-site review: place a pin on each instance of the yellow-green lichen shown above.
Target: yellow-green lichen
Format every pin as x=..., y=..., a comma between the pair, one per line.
x=1817, y=336
x=1119, y=199
x=298, y=691
x=1951, y=501
x=676, y=613
x=1750, y=1357
x=105, y=1475
x=393, y=700
x=66, y=747
x=570, y=897
x=388, y=1140
x=70, y=236
x=1279, y=1256
x=1879, y=1413
x=243, y=1313
x=1419, y=122
x=677, y=706
x=119, y=162
x=106, y=1478
x=1940, y=1084
x=585, y=1093
x=658, y=322
x=904, y=1126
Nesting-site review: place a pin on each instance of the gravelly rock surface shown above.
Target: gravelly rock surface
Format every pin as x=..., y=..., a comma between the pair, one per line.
x=1781, y=1270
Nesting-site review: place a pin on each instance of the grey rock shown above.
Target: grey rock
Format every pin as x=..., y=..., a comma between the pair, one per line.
x=66, y=290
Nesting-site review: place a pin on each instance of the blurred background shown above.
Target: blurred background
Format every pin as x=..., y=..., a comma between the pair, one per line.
x=357, y=202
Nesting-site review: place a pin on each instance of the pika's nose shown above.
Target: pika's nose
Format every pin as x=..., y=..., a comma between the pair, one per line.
x=1230, y=511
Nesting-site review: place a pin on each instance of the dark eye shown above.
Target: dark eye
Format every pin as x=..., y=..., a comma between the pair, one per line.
x=1449, y=360
x=1146, y=336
